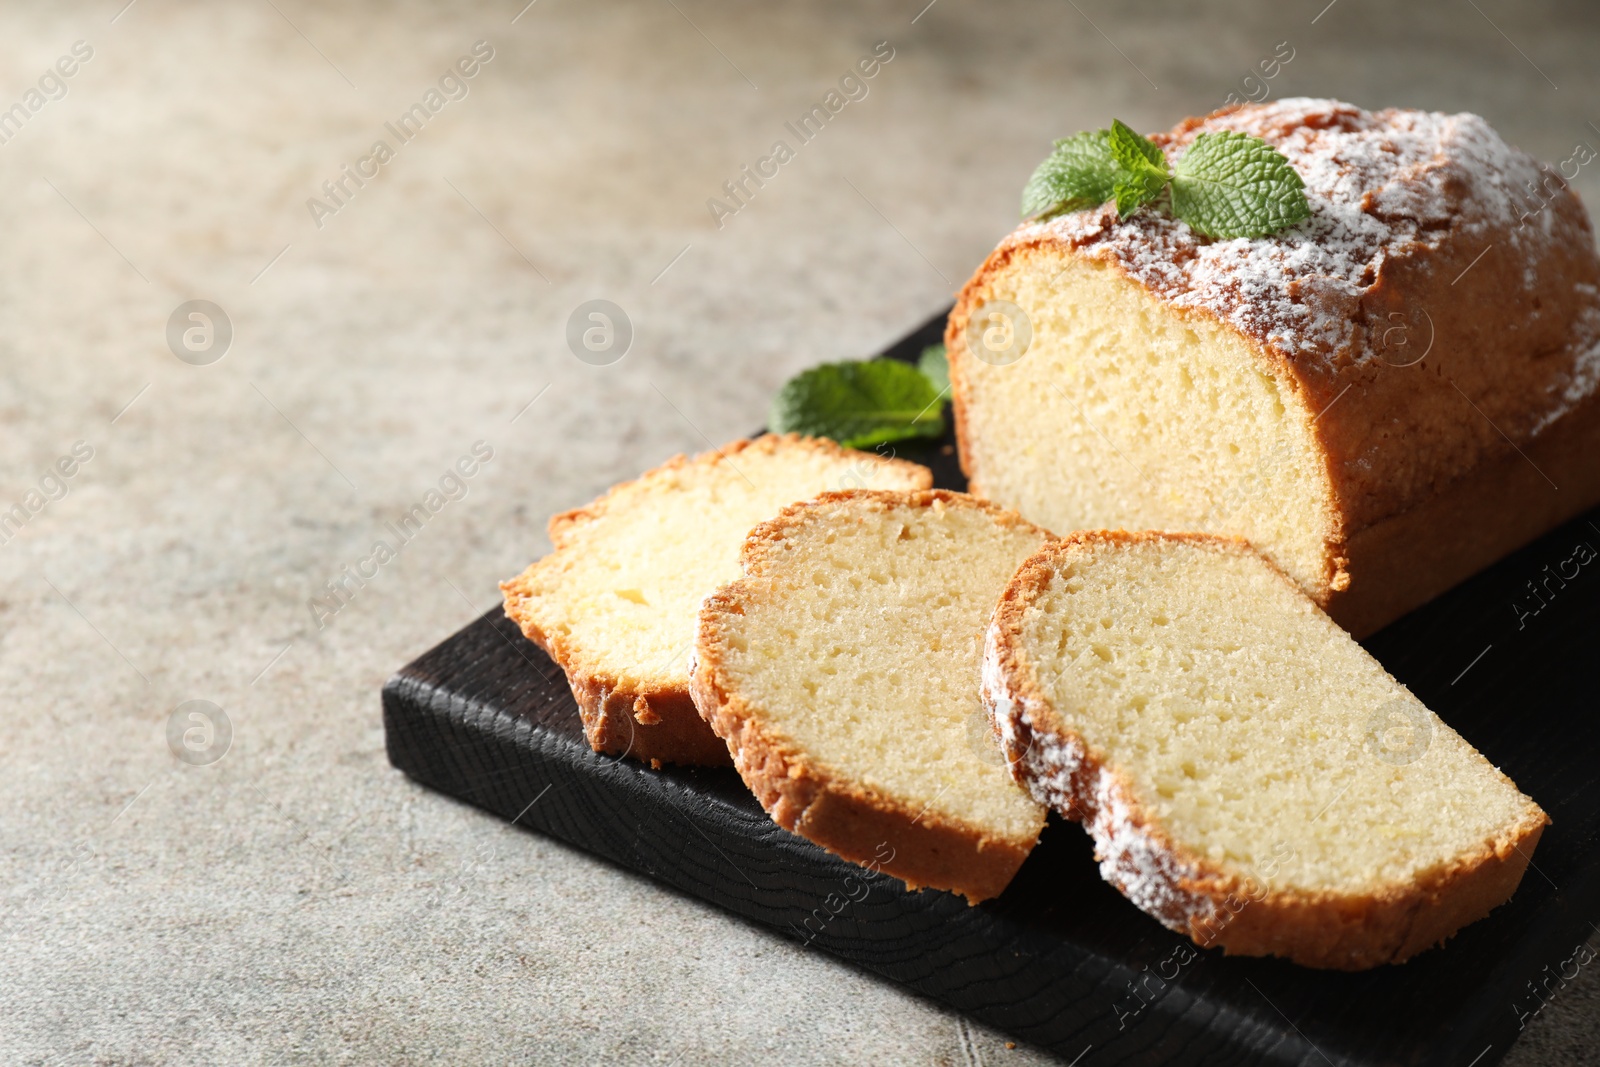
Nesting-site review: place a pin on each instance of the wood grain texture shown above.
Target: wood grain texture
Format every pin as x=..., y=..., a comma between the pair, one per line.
x=1060, y=959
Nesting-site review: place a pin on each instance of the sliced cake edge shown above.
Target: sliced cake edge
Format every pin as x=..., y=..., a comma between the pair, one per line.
x=1213, y=906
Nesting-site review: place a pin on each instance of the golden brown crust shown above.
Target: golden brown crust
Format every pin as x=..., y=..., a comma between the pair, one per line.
x=648, y=719
x=849, y=819
x=652, y=723
x=765, y=534
x=1185, y=891
x=563, y=526
x=1409, y=558
x=1506, y=306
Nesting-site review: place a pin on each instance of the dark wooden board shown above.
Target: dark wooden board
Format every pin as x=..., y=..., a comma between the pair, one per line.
x=1061, y=960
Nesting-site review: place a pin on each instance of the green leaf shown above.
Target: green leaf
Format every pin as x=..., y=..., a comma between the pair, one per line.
x=1141, y=171
x=1134, y=191
x=1235, y=185
x=1129, y=147
x=935, y=366
x=1077, y=174
x=859, y=404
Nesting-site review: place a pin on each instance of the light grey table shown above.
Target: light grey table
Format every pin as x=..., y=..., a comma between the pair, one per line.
x=297, y=901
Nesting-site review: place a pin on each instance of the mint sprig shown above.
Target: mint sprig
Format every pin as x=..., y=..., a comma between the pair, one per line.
x=1226, y=185
x=862, y=403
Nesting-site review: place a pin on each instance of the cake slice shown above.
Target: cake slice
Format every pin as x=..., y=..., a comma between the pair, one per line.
x=842, y=669
x=1383, y=399
x=615, y=602
x=1251, y=777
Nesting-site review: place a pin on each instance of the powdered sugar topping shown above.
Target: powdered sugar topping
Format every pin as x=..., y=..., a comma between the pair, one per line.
x=1057, y=773
x=1380, y=184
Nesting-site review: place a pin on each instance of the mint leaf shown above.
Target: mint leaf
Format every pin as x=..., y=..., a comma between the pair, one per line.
x=1129, y=147
x=1135, y=191
x=859, y=404
x=934, y=364
x=1141, y=171
x=1078, y=174
x=1235, y=185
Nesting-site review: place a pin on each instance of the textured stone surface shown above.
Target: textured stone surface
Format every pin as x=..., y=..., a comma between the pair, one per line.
x=297, y=900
